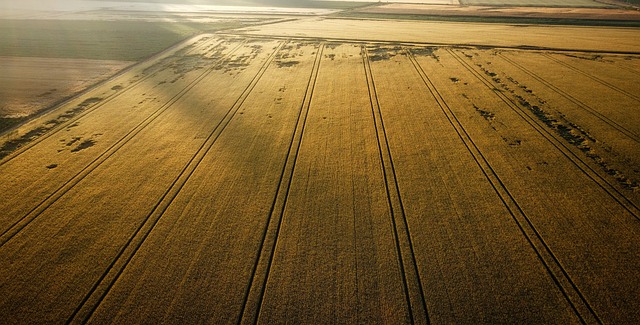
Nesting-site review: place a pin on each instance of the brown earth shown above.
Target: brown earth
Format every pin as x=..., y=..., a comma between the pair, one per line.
x=516, y=12
x=237, y=179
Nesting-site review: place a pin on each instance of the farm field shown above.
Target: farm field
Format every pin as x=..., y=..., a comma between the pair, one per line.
x=29, y=84
x=581, y=38
x=555, y=13
x=236, y=179
x=536, y=3
x=45, y=61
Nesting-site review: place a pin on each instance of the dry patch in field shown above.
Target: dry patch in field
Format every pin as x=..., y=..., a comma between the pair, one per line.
x=236, y=179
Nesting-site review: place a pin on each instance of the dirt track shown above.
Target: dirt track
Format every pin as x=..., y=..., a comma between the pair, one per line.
x=238, y=179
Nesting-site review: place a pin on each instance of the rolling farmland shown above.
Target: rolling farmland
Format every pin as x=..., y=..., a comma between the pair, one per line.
x=237, y=179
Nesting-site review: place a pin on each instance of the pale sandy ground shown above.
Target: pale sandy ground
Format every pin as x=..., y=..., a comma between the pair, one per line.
x=486, y=11
x=30, y=84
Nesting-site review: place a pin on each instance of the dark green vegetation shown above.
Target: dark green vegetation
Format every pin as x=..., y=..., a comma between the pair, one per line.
x=498, y=20
x=104, y=40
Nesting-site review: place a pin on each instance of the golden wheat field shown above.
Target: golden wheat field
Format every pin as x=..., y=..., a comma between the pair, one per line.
x=291, y=173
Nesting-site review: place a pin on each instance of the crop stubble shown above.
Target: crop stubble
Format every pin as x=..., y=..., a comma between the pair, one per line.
x=255, y=185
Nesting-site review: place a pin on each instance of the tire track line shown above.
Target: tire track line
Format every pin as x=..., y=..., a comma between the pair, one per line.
x=416, y=302
x=91, y=108
x=631, y=135
x=255, y=291
x=561, y=278
x=25, y=220
x=592, y=77
x=99, y=291
x=558, y=143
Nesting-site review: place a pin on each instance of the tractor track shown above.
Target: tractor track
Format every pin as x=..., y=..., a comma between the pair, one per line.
x=31, y=215
x=101, y=288
x=613, y=124
x=413, y=288
x=570, y=291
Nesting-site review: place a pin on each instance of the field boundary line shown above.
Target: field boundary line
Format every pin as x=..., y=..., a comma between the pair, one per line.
x=592, y=77
x=556, y=142
x=91, y=108
x=25, y=220
x=574, y=100
x=561, y=278
x=257, y=285
x=102, y=287
x=414, y=291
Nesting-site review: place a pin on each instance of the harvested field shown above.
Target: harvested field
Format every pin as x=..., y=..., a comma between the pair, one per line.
x=582, y=38
x=536, y=3
x=236, y=179
x=31, y=84
x=504, y=12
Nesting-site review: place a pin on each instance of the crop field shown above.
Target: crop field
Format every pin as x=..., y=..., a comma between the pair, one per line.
x=583, y=16
x=580, y=38
x=46, y=61
x=29, y=84
x=536, y=3
x=237, y=179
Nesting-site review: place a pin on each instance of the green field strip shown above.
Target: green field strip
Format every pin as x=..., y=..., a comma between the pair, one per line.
x=335, y=256
x=208, y=237
x=540, y=171
x=98, y=209
x=452, y=212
